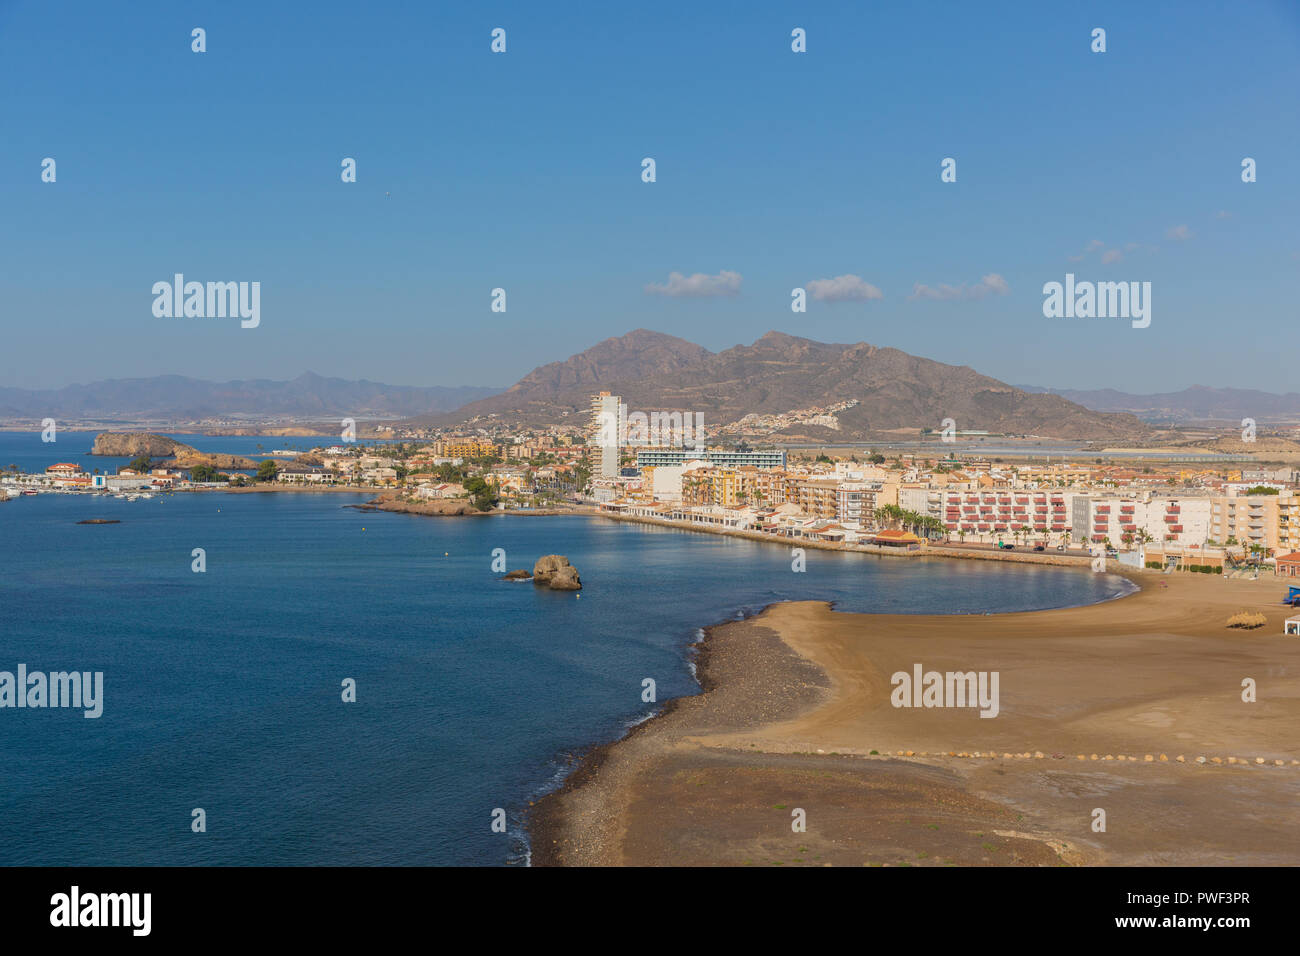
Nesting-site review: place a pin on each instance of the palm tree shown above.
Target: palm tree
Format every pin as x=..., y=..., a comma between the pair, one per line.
x=887, y=514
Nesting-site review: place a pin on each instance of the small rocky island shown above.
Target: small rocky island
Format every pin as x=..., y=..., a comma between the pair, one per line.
x=555, y=572
x=551, y=571
x=134, y=444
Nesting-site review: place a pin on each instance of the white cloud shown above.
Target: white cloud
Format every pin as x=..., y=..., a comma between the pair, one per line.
x=1178, y=232
x=847, y=288
x=1111, y=255
x=698, y=285
x=1092, y=246
x=1223, y=214
x=991, y=284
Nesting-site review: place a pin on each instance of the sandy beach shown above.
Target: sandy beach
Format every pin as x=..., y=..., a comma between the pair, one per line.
x=1111, y=707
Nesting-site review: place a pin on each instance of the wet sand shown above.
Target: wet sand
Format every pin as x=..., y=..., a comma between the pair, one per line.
x=797, y=699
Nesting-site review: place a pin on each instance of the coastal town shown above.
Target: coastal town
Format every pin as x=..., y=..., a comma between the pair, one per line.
x=1225, y=517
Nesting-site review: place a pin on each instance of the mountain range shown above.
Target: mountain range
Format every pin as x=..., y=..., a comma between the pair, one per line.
x=777, y=374
x=1199, y=403
x=780, y=373
x=177, y=398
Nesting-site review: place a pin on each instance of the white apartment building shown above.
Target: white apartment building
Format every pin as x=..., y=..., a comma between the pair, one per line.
x=606, y=434
x=855, y=501
x=924, y=501
x=989, y=515
x=666, y=481
x=1128, y=520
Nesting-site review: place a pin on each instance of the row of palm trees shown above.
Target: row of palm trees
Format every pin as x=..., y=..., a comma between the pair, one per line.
x=925, y=526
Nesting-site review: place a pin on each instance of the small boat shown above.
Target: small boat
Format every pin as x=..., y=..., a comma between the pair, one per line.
x=29, y=491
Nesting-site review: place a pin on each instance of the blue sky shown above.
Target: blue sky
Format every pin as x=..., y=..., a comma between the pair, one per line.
x=522, y=170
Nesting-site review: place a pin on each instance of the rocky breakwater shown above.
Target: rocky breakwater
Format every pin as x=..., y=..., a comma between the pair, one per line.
x=135, y=444
x=555, y=572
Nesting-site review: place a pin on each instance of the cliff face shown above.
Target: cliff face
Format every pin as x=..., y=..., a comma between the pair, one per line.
x=131, y=444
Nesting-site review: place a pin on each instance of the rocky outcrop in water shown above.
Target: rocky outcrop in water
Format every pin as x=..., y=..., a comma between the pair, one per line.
x=134, y=444
x=434, y=506
x=555, y=572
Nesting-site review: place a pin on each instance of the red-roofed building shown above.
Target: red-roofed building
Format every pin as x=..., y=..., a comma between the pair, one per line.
x=63, y=468
x=1288, y=565
x=895, y=538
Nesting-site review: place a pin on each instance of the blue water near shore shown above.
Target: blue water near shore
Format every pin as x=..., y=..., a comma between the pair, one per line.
x=222, y=689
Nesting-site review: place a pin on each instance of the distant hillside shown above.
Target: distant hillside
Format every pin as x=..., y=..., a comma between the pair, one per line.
x=781, y=373
x=174, y=397
x=1200, y=403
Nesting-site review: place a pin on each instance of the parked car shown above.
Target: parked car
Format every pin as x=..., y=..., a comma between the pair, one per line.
x=1039, y=547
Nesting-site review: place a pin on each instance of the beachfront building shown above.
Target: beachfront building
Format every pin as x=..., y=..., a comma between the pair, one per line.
x=814, y=495
x=1288, y=521
x=1128, y=521
x=664, y=484
x=442, y=489
x=922, y=499
x=1191, y=557
x=855, y=502
x=1288, y=565
x=1266, y=522
x=1007, y=512
x=818, y=497
x=606, y=434
x=124, y=480
x=702, y=485
x=303, y=474
x=894, y=538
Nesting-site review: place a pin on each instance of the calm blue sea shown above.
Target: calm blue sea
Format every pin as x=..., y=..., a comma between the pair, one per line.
x=222, y=689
